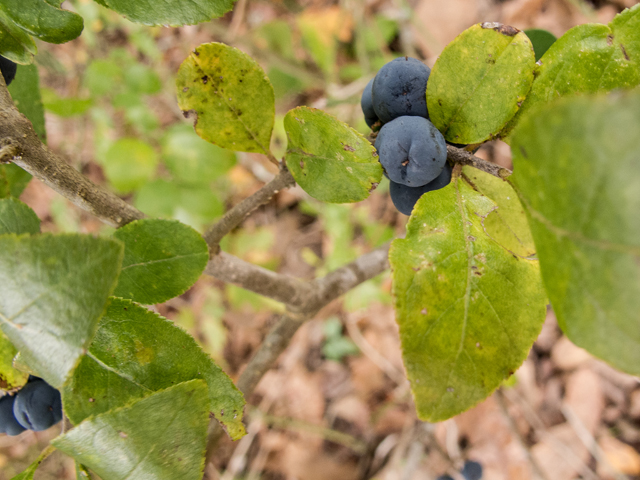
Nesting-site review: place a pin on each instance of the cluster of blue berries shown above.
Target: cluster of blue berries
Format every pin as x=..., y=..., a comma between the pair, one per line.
x=36, y=407
x=8, y=69
x=410, y=148
x=471, y=471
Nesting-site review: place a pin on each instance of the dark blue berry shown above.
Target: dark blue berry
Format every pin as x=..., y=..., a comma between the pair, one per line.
x=411, y=150
x=471, y=470
x=8, y=422
x=8, y=69
x=38, y=406
x=404, y=198
x=400, y=89
x=366, y=103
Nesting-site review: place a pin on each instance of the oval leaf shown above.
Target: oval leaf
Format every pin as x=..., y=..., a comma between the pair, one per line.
x=468, y=309
x=231, y=97
x=587, y=59
x=162, y=436
x=42, y=19
x=136, y=352
x=172, y=13
x=328, y=159
x=162, y=259
x=18, y=218
x=577, y=170
x=479, y=82
x=54, y=289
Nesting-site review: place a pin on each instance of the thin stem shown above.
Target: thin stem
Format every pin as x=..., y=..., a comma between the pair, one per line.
x=237, y=214
x=458, y=155
x=282, y=288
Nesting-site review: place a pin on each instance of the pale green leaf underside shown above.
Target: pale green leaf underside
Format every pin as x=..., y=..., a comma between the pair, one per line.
x=328, y=159
x=468, y=309
x=18, y=218
x=160, y=437
x=587, y=59
x=578, y=170
x=162, y=259
x=169, y=12
x=136, y=352
x=231, y=96
x=479, y=82
x=54, y=289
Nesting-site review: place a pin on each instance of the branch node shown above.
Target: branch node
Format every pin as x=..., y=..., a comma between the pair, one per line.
x=8, y=151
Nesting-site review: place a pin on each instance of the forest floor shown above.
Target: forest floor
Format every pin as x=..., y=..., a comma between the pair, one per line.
x=338, y=405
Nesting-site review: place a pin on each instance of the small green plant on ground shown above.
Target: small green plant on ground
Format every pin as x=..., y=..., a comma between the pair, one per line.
x=485, y=249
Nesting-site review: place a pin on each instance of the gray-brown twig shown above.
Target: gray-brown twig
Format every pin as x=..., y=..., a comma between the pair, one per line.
x=237, y=214
x=458, y=155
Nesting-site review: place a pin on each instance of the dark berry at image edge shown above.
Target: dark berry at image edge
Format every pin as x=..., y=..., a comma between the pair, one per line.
x=8, y=422
x=411, y=150
x=400, y=88
x=471, y=470
x=38, y=406
x=366, y=103
x=8, y=69
x=404, y=198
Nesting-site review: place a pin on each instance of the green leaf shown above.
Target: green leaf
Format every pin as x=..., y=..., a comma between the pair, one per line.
x=44, y=20
x=13, y=180
x=507, y=225
x=468, y=309
x=18, y=218
x=231, y=97
x=136, y=352
x=577, y=169
x=103, y=77
x=587, y=59
x=193, y=160
x=172, y=13
x=330, y=160
x=25, y=92
x=142, y=80
x=162, y=259
x=129, y=163
x=31, y=470
x=10, y=378
x=162, y=436
x=54, y=289
x=479, y=82
x=15, y=43
x=64, y=107
x=541, y=40
x=193, y=205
